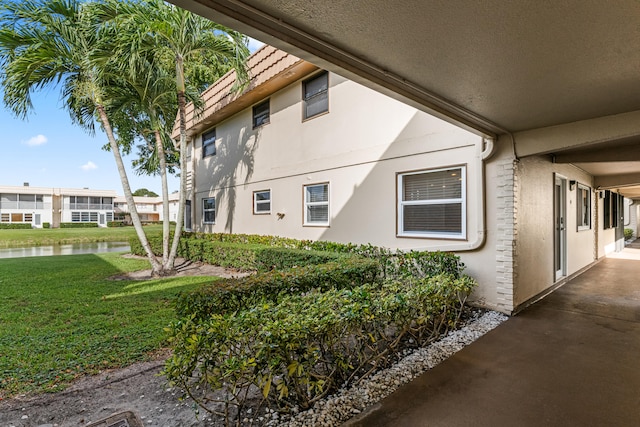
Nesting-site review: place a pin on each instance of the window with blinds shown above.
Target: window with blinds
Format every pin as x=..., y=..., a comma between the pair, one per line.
x=316, y=204
x=261, y=114
x=316, y=95
x=583, y=207
x=209, y=143
x=432, y=203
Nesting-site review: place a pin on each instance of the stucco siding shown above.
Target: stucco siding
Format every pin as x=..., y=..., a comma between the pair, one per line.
x=536, y=225
x=358, y=148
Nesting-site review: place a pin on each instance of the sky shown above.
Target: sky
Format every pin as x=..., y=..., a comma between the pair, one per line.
x=47, y=150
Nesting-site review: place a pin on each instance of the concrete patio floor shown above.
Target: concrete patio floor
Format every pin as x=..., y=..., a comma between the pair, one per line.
x=572, y=359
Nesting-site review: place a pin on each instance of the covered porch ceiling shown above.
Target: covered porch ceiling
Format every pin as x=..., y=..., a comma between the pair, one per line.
x=516, y=71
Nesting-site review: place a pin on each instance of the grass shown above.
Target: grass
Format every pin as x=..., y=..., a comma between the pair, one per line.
x=62, y=318
x=59, y=236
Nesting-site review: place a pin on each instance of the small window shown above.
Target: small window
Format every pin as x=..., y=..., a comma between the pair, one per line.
x=5, y=217
x=209, y=210
x=261, y=114
x=28, y=217
x=262, y=202
x=316, y=204
x=432, y=203
x=316, y=95
x=612, y=202
x=209, y=143
x=75, y=216
x=584, y=207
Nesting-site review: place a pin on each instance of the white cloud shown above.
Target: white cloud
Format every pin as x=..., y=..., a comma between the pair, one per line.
x=254, y=45
x=89, y=166
x=36, y=140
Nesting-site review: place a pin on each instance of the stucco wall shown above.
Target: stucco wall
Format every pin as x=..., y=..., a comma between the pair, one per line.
x=535, y=244
x=358, y=148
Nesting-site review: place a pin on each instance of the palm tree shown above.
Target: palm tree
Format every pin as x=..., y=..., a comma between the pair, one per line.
x=156, y=33
x=132, y=66
x=47, y=43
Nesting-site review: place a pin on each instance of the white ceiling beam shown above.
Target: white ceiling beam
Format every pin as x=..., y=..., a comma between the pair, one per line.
x=554, y=139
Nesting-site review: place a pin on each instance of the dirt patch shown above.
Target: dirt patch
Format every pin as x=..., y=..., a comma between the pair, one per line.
x=183, y=268
x=139, y=388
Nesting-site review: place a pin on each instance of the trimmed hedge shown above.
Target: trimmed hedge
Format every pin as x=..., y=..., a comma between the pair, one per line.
x=317, y=315
x=628, y=233
x=230, y=255
x=78, y=225
x=308, y=345
x=15, y=226
x=393, y=264
x=282, y=258
x=116, y=224
x=242, y=256
x=46, y=225
x=254, y=239
x=231, y=295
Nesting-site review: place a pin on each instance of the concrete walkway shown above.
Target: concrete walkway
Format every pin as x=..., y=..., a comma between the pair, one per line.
x=572, y=359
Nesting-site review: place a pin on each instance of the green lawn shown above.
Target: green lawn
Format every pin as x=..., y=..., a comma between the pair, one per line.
x=54, y=236
x=61, y=318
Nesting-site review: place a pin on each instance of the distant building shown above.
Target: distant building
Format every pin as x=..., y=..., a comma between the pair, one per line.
x=149, y=208
x=39, y=205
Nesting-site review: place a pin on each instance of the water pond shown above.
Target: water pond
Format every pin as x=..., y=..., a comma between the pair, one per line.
x=71, y=249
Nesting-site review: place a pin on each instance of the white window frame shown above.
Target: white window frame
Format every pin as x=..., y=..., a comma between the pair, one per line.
x=579, y=213
x=307, y=204
x=433, y=234
x=257, y=202
x=205, y=210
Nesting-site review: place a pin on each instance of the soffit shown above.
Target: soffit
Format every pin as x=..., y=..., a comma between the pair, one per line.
x=493, y=66
x=617, y=161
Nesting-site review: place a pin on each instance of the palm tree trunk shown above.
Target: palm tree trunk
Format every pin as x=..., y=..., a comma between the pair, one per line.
x=165, y=203
x=156, y=267
x=183, y=156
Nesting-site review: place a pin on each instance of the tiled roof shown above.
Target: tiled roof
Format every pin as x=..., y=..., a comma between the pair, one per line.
x=270, y=69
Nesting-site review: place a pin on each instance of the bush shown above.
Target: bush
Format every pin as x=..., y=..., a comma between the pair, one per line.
x=232, y=295
x=230, y=255
x=78, y=224
x=308, y=345
x=15, y=226
x=283, y=258
x=240, y=255
x=46, y=225
x=628, y=234
x=393, y=265
x=255, y=239
x=116, y=224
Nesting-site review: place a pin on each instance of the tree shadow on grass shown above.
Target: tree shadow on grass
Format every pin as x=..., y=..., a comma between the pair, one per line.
x=160, y=286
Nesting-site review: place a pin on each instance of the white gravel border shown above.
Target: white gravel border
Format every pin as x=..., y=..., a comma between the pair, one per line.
x=347, y=403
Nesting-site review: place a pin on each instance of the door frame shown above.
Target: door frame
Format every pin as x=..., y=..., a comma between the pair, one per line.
x=559, y=226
